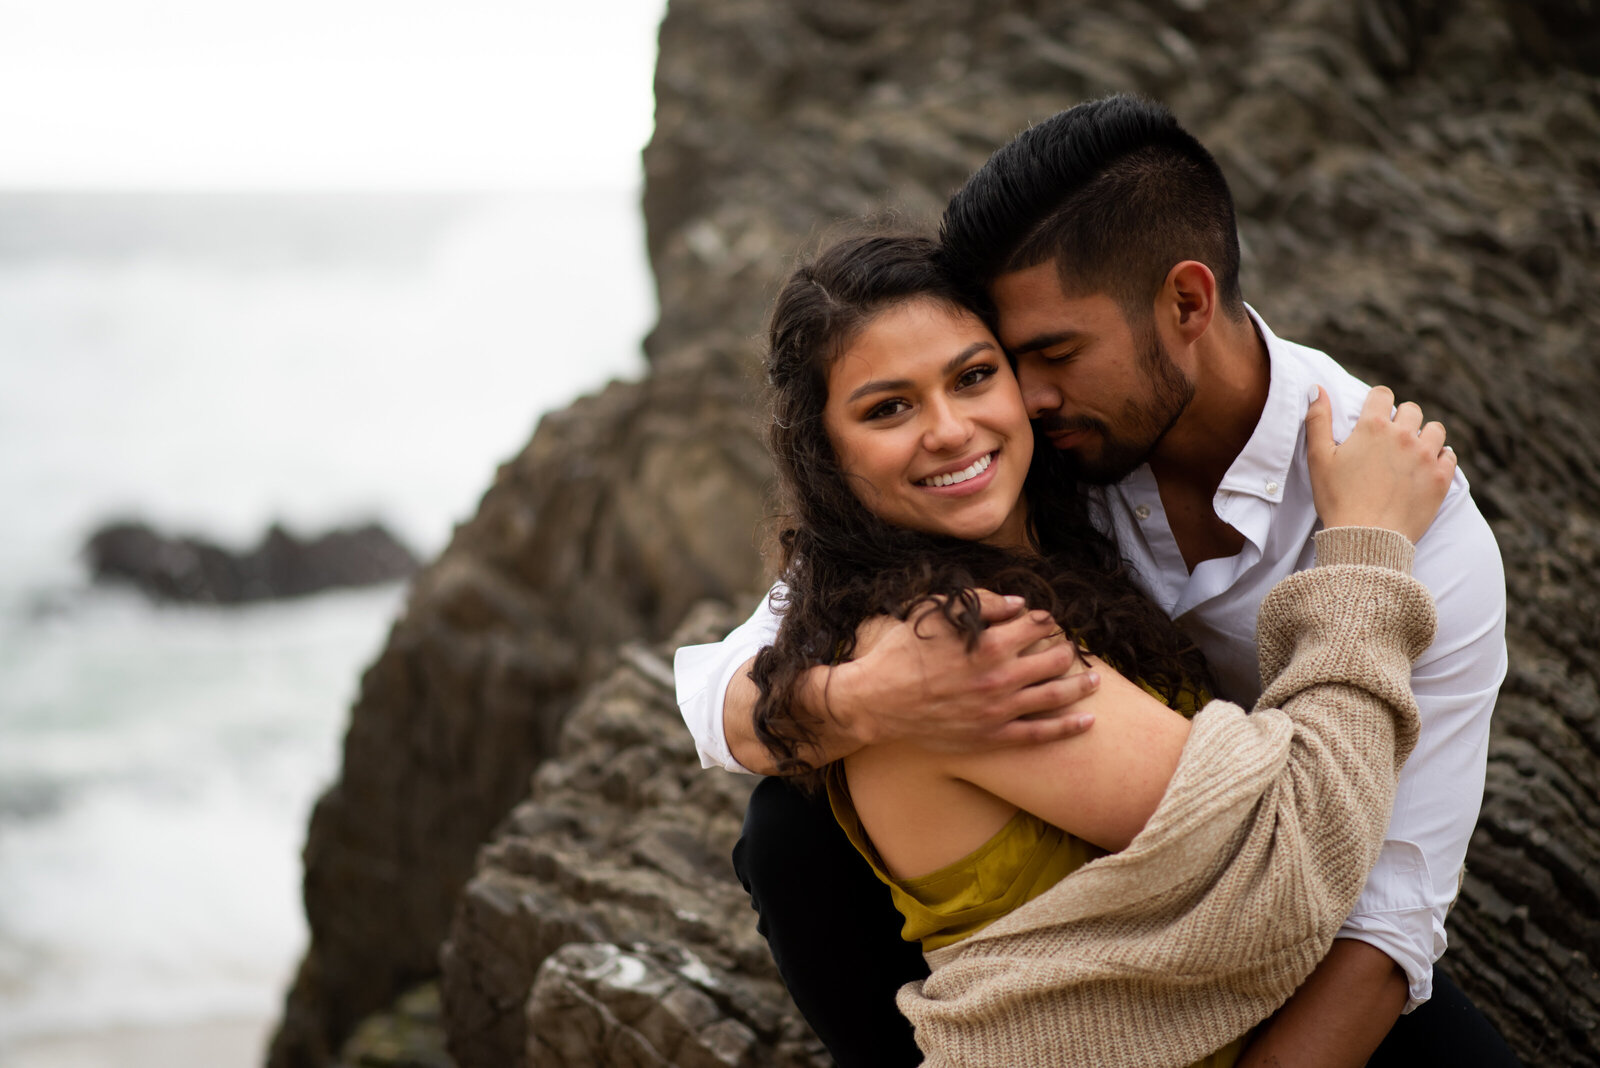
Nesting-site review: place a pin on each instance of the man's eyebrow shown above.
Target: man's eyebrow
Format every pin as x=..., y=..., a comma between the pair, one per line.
x=885, y=385
x=1043, y=341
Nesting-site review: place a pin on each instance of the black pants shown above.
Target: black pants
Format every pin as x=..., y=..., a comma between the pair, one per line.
x=835, y=936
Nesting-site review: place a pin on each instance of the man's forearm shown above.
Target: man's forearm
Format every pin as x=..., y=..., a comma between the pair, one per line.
x=1339, y=1015
x=834, y=738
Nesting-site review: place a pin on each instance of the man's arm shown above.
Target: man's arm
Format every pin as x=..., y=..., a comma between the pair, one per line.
x=1396, y=930
x=912, y=678
x=1339, y=1015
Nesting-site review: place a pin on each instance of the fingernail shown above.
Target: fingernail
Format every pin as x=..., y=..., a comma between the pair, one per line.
x=1013, y=601
x=1094, y=678
x=1311, y=397
x=1086, y=721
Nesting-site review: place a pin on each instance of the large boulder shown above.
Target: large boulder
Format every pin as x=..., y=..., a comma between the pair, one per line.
x=1417, y=188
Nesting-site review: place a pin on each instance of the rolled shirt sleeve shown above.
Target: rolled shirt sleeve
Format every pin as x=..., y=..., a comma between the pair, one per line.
x=1402, y=909
x=702, y=674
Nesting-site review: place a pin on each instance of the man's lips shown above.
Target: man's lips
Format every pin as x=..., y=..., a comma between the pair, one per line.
x=1066, y=439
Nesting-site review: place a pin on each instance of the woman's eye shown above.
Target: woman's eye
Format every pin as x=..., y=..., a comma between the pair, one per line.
x=885, y=409
x=972, y=376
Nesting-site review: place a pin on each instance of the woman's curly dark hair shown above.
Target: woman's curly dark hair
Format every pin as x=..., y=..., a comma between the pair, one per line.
x=842, y=565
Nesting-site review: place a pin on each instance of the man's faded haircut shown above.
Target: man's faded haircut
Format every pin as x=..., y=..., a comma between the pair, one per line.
x=1113, y=191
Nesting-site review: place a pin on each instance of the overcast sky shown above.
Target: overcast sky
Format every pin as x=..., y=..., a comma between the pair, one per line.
x=319, y=94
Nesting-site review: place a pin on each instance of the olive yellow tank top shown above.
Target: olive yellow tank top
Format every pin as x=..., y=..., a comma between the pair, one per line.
x=1025, y=858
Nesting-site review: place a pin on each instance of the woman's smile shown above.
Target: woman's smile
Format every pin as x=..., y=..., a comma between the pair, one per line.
x=967, y=479
x=928, y=424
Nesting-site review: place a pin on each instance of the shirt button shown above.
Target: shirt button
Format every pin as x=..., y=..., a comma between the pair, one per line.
x=1272, y=489
x=1143, y=511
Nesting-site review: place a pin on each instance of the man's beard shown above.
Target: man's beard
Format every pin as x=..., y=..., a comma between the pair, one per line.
x=1120, y=454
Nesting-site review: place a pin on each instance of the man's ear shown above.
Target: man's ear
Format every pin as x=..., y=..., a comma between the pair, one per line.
x=1188, y=299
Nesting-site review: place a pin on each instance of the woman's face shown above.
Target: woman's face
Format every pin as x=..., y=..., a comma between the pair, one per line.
x=927, y=421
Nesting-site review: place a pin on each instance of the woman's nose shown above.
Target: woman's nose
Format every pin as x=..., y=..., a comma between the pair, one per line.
x=947, y=428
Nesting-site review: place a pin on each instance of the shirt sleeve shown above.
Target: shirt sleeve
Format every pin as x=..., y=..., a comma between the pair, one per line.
x=1402, y=909
x=702, y=674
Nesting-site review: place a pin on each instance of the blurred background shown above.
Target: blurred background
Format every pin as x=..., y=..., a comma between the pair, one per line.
x=309, y=263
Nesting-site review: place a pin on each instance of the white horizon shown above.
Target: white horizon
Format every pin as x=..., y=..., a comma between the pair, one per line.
x=324, y=95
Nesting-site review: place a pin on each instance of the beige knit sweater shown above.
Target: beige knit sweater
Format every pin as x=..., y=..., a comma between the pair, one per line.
x=1208, y=921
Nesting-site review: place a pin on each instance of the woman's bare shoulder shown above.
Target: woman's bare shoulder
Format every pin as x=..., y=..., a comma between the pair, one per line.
x=919, y=815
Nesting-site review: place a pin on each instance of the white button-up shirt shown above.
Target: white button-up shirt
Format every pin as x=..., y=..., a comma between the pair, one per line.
x=1266, y=497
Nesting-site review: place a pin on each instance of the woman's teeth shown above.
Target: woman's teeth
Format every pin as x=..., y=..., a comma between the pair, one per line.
x=978, y=467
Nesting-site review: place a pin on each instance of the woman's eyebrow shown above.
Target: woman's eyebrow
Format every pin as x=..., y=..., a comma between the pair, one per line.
x=966, y=354
x=885, y=385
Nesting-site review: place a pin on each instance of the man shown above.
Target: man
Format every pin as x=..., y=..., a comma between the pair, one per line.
x=1102, y=245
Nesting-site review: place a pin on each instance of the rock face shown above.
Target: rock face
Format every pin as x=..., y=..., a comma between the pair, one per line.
x=169, y=568
x=621, y=855
x=1417, y=184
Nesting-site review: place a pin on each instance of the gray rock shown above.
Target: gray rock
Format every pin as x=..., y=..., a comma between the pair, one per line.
x=1418, y=187
x=624, y=841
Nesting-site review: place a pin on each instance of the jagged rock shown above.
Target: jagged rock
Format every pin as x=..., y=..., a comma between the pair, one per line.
x=1417, y=192
x=593, y=536
x=595, y=1003
x=182, y=568
x=625, y=839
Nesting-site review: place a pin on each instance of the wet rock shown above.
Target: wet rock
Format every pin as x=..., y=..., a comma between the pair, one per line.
x=182, y=568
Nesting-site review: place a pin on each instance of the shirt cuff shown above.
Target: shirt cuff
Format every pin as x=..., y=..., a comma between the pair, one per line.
x=702, y=709
x=1394, y=935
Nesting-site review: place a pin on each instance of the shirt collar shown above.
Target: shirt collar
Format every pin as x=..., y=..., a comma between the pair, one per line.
x=1262, y=467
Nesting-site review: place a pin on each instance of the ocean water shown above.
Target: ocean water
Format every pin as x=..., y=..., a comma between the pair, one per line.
x=212, y=363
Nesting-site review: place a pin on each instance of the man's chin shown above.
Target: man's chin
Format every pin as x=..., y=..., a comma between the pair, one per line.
x=1101, y=469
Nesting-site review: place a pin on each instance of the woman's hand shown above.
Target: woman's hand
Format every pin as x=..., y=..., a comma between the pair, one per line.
x=1392, y=471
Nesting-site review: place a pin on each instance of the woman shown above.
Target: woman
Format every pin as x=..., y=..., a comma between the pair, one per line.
x=904, y=453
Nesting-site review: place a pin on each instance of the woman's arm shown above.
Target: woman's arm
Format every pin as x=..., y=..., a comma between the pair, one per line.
x=925, y=808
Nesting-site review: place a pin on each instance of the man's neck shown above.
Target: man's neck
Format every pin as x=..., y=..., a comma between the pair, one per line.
x=1232, y=375
x=1231, y=378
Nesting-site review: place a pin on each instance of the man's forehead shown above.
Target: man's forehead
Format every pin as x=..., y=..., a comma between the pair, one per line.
x=1033, y=299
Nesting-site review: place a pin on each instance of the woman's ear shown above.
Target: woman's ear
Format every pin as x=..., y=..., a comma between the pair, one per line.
x=1188, y=299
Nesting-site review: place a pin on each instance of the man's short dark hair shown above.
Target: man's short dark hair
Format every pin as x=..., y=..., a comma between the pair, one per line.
x=1113, y=191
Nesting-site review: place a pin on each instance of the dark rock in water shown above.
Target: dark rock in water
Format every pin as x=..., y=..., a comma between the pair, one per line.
x=1417, y=186
x=192, y=569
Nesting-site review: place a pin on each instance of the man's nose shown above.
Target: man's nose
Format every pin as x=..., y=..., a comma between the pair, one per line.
x=1039, y=394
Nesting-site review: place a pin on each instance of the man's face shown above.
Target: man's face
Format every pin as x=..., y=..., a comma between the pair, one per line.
x=1104, y=390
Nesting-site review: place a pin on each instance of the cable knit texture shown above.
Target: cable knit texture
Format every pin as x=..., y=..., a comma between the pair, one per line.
x=1225, y=902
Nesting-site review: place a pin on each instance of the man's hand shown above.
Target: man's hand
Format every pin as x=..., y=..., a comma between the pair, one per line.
x=916, y=679
x=1338, y=1016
